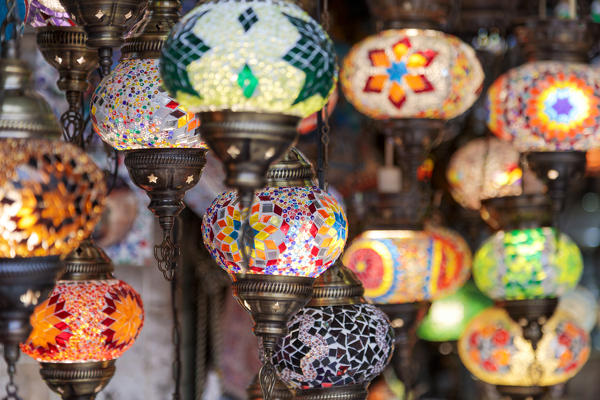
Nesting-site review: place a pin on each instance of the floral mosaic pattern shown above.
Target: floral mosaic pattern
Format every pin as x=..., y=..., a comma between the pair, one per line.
x=51, y=197
x=408, y=266
x=297, y=231
x=494, y=350
x=131, y=110
x=85, y=321
x=526, y=264
x=411, y=73
x=249, y=55
x=43, y=15
x=334, y=346
x=547, y=106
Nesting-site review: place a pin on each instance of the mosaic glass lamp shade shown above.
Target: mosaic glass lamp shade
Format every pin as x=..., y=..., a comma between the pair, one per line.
x=581, y=304
x=131, y=110
x=257, y=56
x=547, y=106
x=527, y=264
x=297, y=231
x=495, y=351
x=23, y=7
x=411, y=73
x=42, y=15
x=85, y=321
x=51, y=197
x=448, y=316
x=486, y=168
x=406, y=266
x=334, y=346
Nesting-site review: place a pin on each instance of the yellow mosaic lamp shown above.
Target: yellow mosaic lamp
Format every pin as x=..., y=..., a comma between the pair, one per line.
x=494, y=350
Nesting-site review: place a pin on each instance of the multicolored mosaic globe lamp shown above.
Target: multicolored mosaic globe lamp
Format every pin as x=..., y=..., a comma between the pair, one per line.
x=251, y=70
x=525, y=270
x=89, y=320
x=51, y=196
x=132, y=112
x=448, y=316
x=548, y=107
x=105, y=22
x=336, y=344
x=296, y=231
x=494, y=350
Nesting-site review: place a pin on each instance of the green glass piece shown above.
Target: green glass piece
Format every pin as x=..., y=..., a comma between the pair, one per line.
x=315, y=56
x=448, y=317
x=175, y=59
x=247, y=81
x=527, y=264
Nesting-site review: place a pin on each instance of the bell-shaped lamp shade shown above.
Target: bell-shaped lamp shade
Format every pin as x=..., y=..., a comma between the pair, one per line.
x=448, y=316
x=411, y=73
x=256, y=56
x=85, y=321
x=495, y=351
x=131, y=110
x=406, y=266
x=297, y=231
x=334, y=346
x=547, y=106
x=487, y=168
x=51, y=197
x=527, y=264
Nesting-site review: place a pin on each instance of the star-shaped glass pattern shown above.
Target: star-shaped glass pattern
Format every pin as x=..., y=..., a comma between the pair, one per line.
x=400, y=73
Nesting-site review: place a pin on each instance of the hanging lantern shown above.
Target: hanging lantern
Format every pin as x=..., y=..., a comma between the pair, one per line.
x=494, y=350
x=51, y=196
x=448, y=316
x=488, y=168
x=105, y=22
x=336, y=344
x=131, y=111
x=296, y=232
x=89, y=320
x=251, y=70
x=411, y=73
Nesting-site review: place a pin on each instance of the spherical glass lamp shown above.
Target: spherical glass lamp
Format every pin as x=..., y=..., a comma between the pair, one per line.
x=411, y=73
x=487, y=168
x=527, y=264
x=546, y=106
x=448, y=316
x=494, y=350
x=407, y=266
x=252, y=69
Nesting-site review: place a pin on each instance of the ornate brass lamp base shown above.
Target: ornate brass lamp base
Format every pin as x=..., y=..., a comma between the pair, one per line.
x=522, y=392
x=350, y=392
x=531, y=315
x=405, y=319
x=280, y=391
x=165, y=175
x=247, y=143
x=559, y=169
x=271, y=300
x=517, y=212
x=78, y=381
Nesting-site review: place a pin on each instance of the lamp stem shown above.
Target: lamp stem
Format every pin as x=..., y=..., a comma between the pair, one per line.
x=267, y=375
x=176, y=341
x=11, y=356
x=72, y=119
x=167, y=252
x=105, y=54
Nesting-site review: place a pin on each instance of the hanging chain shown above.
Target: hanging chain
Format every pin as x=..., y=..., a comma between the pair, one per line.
x=11, y=388
x=176, y=340
x=323, y=128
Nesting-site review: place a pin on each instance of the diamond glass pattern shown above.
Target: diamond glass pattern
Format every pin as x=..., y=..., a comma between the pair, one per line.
x=298, y=231
x=448, y=316
x=84, y=321
x=486, y=168
x=131, y=110
x=494, y=350
x=411, y=73
x=547, y=106
x=45, y=16
x=51, y=197
x=526, y=264
x=334, y=346
x=407, y=266
x=288, y=59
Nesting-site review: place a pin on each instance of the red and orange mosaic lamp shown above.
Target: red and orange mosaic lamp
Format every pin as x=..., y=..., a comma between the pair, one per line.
x=89, y=320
